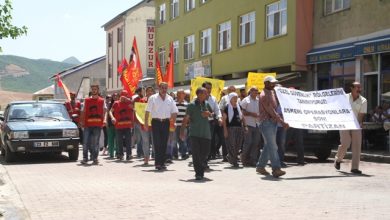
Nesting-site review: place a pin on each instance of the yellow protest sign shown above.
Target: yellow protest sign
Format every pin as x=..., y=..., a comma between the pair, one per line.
x=140, y=109
x=257, y=79
x=216, y=90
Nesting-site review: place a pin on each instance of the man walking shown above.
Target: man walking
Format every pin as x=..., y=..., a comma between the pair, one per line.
x=181, y=105
x=162, y=109
x=269, y=120
x=197, y=115
x=353, y=138
x=92, y=119
x=74, y=107
x=122, y=116
x=250, y=110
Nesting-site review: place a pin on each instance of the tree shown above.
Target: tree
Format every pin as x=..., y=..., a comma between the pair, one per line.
x=7, y=30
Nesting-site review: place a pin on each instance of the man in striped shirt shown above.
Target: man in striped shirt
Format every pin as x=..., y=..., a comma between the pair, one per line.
x=181, y=105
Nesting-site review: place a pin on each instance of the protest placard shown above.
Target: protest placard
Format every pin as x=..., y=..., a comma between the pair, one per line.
x=317, y=110
x=216, y=90
x=140, y=109
x=257, y=79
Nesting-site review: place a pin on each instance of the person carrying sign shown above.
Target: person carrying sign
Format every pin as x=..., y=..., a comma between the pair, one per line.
x=353, y=138
x=269, y=120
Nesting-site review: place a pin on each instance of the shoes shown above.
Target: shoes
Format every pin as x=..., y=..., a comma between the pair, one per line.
x=95, y=162
x=235, y=165
x=84, y=161
x=168, y=161
x=206, y=168
x=262, y=171
x=301, y=163
x=128, y=157
x=224, y=159
x=337, y=165
x=184, y=157
x=198, y=177
x=120, y=158
x=283, y=164
x=356, y=171
x=278, y=172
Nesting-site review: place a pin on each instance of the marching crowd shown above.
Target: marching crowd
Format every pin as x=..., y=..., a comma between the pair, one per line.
x=238, y=123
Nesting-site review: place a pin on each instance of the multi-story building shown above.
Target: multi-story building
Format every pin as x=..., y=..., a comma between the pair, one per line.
x=226, y=39
x=352, y=43
x=136, y=21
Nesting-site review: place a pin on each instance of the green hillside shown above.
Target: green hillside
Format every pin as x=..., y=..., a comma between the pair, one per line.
x=40, y=70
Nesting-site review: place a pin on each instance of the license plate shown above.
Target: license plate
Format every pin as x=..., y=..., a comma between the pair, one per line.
x=47, y=144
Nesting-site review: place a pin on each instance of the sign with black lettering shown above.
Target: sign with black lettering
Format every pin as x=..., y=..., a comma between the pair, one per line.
x=317, y=110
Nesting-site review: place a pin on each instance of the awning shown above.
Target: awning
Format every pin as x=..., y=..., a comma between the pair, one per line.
x=374, y=45
x=331, y=53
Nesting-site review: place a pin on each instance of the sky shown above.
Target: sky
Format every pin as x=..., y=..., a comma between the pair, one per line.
x=58, y=29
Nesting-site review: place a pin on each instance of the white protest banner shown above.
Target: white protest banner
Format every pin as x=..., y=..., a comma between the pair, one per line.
x=317, y=110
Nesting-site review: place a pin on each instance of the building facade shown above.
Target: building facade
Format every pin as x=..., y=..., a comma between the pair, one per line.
x=352, y=43
x=79, y=78
x=137, y=21
x=227, y=39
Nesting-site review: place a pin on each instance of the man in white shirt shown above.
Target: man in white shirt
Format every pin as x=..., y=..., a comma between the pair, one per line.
x=251, y=111
x=163, y=111
x=353, y=138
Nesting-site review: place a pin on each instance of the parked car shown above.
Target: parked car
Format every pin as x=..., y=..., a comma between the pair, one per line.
x=37, y=126
x=318, y=142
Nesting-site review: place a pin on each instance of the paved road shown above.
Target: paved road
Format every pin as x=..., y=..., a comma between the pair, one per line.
x=53, y=188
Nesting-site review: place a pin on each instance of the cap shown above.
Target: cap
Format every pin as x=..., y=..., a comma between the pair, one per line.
x=270, y=79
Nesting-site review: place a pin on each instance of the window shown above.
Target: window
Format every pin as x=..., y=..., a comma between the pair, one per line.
x=110, y=70
x=205, y=42
x=120, y=34
x=277, y=19
x=247, y=28
x=109, y=39
x=162, y=13
x=224, y=36
x=190, y=4
x=189, y=47
x=203, y=1
x=174, y=9
x=161, y=56
x=332, y=6
x=175, y=51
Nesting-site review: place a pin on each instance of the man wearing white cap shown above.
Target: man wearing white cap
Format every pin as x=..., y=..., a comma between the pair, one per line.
x=269, y=120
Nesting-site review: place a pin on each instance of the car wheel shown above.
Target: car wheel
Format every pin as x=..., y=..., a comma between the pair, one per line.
x=74, y=154
x=323, y=153
x=9, y=156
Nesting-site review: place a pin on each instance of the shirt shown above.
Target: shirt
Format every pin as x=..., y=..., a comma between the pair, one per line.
x=223, y=102
x=159, y=108
x=236, y=120
x=181, y=107
x=267, y=105
x=198, y=126
x=214, y=107
x=359, y=105
x=251, y=105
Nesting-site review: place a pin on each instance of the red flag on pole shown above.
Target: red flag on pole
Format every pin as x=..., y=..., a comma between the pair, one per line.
x=169, y=71
x=122, y=70
x=159, y=77
x=134, y=70
x=61, y=84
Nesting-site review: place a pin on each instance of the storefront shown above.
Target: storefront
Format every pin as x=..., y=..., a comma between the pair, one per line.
x=366, y=61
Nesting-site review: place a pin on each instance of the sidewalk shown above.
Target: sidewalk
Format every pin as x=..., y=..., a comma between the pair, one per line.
x=11, y=205
x=369, y=156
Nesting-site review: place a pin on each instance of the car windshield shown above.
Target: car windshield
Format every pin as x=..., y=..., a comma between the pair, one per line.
x=28, y=111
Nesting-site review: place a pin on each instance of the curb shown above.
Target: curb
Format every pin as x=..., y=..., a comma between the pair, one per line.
x=368, y=157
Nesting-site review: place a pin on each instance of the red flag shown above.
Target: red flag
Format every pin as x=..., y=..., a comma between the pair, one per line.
x=134, y=70
x=159, y=78
x=122, y=66
x=169, y=68
x=122, y=70
x=61, y=84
